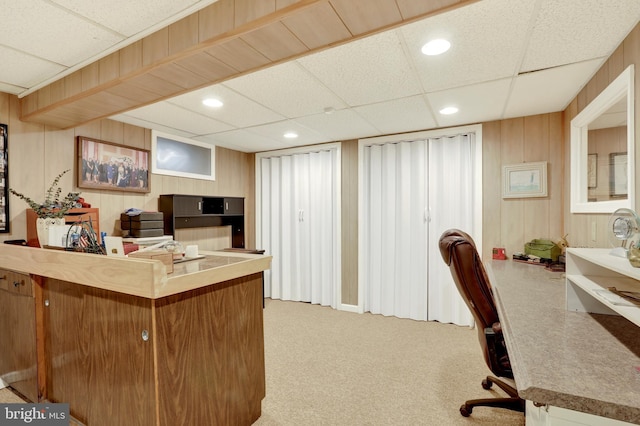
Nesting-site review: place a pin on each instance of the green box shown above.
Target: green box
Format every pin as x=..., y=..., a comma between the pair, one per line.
x=545, y=249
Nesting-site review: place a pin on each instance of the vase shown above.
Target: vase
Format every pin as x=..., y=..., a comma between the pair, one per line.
x=42, y=228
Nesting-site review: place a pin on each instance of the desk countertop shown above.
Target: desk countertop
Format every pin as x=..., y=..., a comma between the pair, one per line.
x=137, y=277
x=579, y=361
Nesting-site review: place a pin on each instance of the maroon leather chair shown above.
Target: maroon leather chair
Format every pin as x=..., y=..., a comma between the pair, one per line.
x=459, y=252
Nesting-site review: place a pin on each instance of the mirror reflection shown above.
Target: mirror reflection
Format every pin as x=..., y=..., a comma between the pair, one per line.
x=602, y=150
x=607, y=154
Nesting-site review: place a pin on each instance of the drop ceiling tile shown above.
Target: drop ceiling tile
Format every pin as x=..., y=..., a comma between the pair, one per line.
x=124, y=118
x=275, y=131
x=287, y=89
x=486, y=38
x=243, y=141
x=572, y=31
x=178, y=118
x=61, y=36
x=476, y=103
x=238, y=110
x=365, y=71
x=399, y=115
x=25, y=70
x=131, y=17
x=340, y=125
x=549, y=90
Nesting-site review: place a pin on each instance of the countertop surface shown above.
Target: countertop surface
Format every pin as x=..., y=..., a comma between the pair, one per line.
x=138, y=277
x=579, y=361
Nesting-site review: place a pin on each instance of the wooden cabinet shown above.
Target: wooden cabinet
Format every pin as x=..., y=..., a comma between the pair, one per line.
x=194, y=211
x=72, y=216
x=18, y=357
x=187, y=205
x=100, y=335
x=234, y=206
x=195, y=358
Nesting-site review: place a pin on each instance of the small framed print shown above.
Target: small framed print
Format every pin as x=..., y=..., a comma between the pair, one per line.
x=524, y=180
x=592, y=171
x=618, y=179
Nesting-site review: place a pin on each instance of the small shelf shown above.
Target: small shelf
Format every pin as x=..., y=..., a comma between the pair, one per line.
x=198, y=211
x=590, y=272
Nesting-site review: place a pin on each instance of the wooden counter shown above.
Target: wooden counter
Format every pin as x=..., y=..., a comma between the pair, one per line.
x=124, y=343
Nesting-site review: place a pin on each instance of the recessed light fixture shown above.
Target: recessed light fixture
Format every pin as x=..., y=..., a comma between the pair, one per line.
x=448, y=110
x=291, y=135
x=212, y=102
x=436, y=47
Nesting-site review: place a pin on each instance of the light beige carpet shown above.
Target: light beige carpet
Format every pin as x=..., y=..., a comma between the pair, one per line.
x=328, y=367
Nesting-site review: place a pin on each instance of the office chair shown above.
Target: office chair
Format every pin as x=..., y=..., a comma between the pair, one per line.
x=459, y=252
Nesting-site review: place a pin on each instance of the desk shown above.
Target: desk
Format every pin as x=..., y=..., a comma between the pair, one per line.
x=579, y=365
x=123, y=342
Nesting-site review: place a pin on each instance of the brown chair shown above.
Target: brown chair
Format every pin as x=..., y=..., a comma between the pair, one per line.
x=459, y=252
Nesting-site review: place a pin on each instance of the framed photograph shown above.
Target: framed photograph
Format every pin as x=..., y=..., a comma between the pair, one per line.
x=183, y=157
x=618, y=175
x=592, y=171
x=4, y=175
x=109, y=166
x=524, y=180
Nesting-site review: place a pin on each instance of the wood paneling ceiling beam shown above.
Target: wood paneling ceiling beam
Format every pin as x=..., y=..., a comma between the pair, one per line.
x=227, y=39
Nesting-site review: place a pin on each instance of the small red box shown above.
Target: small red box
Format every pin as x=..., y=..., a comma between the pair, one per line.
x=129, y=247
x=499, y=253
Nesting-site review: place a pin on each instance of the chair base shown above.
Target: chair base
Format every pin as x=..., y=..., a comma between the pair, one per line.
x=514, y=402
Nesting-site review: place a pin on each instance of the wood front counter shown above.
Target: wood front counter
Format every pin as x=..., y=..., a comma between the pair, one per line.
x=124, y=343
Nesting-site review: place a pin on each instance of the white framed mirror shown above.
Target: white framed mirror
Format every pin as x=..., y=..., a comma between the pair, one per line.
x=602, y=150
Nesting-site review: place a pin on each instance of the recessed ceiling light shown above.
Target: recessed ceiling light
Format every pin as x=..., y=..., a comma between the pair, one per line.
x=436, y=47
x=212, y=102
x=291, y=135
x=448, y=110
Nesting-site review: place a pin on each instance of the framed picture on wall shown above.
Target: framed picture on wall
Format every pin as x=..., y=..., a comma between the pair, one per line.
x=109, y=166
x=592, y=171
x=524, y=180
x=4, y=175
x=618, y=175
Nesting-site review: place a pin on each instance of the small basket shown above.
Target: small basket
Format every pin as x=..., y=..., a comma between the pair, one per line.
x=545, y=249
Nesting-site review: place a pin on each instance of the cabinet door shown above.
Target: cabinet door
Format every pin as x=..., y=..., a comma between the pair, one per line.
x=186, y=205
x=18, y=324
x=99, y=357
x=233, y=205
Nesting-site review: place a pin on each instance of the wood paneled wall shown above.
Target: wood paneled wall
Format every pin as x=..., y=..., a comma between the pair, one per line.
x=37, y=153
x=511, y=222
x=580, y=226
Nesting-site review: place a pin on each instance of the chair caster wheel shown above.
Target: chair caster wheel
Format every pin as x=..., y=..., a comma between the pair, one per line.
x=486, y=384
x=465, y=410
